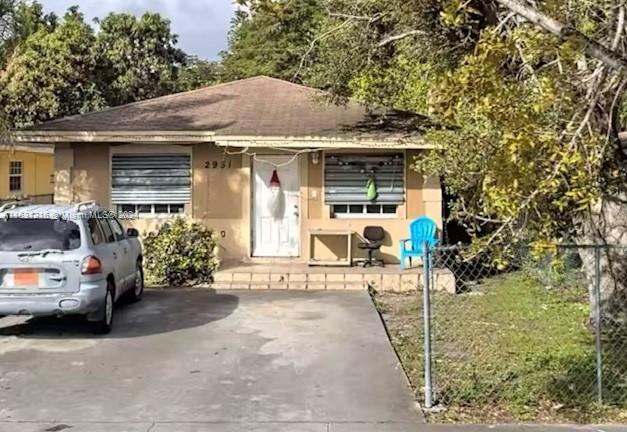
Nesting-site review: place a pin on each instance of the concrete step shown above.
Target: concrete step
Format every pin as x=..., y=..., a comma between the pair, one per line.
x=295, y=285
x=300, y=278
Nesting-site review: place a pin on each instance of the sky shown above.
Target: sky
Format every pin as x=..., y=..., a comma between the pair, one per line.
x=202, y=25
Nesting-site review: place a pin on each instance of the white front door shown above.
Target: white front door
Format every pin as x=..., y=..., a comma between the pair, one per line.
x=275, y=215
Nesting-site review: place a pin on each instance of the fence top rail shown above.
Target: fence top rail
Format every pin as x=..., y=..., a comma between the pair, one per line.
x=443, y=248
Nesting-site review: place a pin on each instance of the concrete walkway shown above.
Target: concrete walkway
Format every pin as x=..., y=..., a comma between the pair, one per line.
x=287, y=427
x=204, y=361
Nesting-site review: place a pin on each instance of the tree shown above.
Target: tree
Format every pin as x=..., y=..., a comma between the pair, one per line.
x=137, y=57
x=527, y=105
x=18, y=20
x=198, y=73
x=271, y=38
x=8, y=24
x=52, y=74
x=64, y=68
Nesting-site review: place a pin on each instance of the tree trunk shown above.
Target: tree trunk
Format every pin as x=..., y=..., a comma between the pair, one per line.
x=606, y=228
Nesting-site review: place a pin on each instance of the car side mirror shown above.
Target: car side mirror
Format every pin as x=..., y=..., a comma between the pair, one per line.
x=132, y=232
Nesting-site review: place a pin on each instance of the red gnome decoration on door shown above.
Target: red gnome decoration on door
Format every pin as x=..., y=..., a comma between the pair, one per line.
x=275, y=203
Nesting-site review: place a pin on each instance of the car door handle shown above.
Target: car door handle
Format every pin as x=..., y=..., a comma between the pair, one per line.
x=58, y=278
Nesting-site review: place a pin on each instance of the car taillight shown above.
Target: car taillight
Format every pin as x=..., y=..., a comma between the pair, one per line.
x=91, y=265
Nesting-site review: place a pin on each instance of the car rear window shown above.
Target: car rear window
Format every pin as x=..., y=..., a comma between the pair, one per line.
x=38, y=234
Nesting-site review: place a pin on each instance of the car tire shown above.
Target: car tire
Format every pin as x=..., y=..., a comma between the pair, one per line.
x=105, y=323
x=137, y=291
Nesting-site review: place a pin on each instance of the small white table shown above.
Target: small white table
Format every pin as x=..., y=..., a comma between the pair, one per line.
x=348, y=262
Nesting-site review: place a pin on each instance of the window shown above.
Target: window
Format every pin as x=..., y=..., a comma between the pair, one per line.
x=152, y=209
x=151, y=184
x=117, y=229
x=345, y=184
x=33, y=235
x=363, y=211
x=106, y=229
x=97, y=236
x=15, y=176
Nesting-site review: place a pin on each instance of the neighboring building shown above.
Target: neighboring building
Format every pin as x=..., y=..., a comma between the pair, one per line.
x=210, y=154
x=27, y=171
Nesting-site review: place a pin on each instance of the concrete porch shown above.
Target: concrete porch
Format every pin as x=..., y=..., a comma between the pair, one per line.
x=283, y=275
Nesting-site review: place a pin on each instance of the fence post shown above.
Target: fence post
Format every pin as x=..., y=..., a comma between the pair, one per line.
x=597, y=321
x=426, y=279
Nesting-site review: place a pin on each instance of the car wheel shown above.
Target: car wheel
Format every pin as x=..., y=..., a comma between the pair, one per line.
x=105, y=323
x=136, y=293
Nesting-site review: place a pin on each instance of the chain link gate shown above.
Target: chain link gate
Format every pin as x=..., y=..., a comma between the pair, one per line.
x=546, y=330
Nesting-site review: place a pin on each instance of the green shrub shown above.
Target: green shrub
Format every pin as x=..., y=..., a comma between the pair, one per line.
x=554, y=270
x=180, y=253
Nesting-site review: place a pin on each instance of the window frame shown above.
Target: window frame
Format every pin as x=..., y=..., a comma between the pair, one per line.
x=19, y=176
x=398, y=214
x=98, y=230
x=104, y=225
x=364, y=214
x=152, y=214
x=114, y=221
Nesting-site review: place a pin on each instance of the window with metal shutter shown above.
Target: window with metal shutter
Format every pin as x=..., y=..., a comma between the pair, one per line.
x=151, y=179
x=346, y=176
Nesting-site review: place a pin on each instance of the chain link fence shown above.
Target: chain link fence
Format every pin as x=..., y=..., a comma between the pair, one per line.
x=542, y=336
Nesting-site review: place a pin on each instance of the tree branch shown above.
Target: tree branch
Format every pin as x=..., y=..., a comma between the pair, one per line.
x=397, y=37
x=592, y=47
x=620, y=27
x=313, y=43
x=372, y=18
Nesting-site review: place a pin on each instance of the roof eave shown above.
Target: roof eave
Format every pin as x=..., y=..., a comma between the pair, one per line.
x=190, y=137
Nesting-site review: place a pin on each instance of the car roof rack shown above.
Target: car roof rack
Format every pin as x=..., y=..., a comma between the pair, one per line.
x=13, y=205
x=85, y=205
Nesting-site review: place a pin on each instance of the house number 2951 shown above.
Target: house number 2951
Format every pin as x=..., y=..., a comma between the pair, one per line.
x=218, y=164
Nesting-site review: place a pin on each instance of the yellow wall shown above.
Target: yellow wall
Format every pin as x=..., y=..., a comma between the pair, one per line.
x=37, y=172
x=221, y=196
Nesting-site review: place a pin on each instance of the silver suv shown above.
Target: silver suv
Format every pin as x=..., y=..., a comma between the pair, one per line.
x=67, y=260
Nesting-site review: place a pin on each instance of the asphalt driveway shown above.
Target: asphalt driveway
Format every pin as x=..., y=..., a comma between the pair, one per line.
x=197, y=360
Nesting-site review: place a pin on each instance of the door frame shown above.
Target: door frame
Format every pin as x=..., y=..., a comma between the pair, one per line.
x=251, y=199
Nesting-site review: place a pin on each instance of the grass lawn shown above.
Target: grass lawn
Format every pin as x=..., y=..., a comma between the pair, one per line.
x=510, y=351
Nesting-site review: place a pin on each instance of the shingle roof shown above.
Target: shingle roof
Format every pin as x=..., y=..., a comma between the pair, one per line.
x=259, y=106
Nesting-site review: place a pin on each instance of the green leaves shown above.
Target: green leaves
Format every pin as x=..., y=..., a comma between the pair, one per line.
x=531, y=170
x=137, y=57
x=516, y=146
x=66, y=68
x=198, y=73
x=180, y=252
x=52, y=74
x=272, y=39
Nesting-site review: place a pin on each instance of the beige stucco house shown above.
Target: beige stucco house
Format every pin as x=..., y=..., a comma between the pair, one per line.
x=211, y=154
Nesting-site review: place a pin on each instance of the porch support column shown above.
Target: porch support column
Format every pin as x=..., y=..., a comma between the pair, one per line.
x=432, y=196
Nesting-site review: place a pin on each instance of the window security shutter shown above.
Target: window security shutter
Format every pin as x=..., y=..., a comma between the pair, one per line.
x=345, y=183
x=151, y=179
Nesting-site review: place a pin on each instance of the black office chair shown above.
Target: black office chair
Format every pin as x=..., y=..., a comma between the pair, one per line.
x=374, y=236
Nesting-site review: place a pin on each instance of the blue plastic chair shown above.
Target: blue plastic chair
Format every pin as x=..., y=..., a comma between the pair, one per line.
x=421, y=230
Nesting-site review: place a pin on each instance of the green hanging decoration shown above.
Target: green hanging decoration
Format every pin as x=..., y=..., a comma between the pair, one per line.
x=371, y=189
